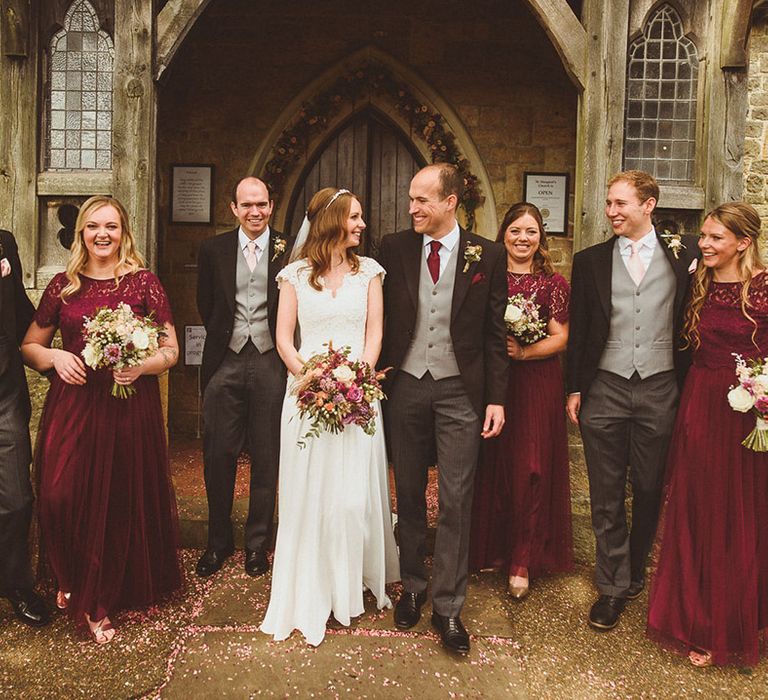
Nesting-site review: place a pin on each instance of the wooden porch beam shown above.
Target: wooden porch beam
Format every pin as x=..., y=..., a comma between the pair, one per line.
x=173, y=24
x=134, y=120
x=19, y=98
x=567, y=35
x=600, y=129
x=736, y=19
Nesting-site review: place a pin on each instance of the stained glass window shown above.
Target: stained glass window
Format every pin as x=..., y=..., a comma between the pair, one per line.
x=79, y=128
x=662, y=76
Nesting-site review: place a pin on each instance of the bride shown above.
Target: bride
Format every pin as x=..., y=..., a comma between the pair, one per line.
x=334, y=535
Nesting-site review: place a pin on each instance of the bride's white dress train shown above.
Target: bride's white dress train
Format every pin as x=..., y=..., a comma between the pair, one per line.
x=335, y=526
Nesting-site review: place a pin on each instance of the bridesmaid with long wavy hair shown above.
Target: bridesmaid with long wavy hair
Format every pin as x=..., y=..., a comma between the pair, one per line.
x=709, y=596
x=521, y=519
x=107, y=513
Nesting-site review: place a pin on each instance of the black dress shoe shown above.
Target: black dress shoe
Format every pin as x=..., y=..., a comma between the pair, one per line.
x=256, y=562
x=211, y=561
x=29, y=607
x=452, y=633
x=408, y=609
x=605, y=613
x=635, y=589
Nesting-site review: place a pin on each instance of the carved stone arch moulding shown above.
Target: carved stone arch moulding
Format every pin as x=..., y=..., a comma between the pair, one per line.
x=360, y=84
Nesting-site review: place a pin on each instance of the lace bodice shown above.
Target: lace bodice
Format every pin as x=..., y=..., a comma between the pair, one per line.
x=141, y=290
x=324, y=316
x=550, y=292
x=723, y=329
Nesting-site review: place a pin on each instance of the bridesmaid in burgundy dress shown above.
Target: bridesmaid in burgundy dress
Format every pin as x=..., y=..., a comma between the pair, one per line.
x=107, y=512
x=709, y=596
x=521, y=518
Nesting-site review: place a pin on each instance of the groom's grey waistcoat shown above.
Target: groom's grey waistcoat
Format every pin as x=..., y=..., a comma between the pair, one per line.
x=641, y=336
x=432, y=348
x=251, y=305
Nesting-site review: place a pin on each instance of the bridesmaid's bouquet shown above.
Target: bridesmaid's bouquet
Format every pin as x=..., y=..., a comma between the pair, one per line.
x=118, y=338
x=335, y=392
x=523, y=321
x=751, y=394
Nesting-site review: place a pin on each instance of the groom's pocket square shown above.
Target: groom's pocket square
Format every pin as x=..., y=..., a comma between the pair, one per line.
x=479, y=277
x=5, y=267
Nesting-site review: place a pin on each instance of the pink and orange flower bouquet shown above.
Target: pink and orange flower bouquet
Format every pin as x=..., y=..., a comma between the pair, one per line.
x=334, y=392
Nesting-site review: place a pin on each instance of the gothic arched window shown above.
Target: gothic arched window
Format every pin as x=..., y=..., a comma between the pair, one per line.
x=79, y=114
x=662, y=77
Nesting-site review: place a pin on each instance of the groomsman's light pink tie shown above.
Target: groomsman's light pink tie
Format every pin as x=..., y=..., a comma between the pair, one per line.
x=635, y=265
x=250, y=255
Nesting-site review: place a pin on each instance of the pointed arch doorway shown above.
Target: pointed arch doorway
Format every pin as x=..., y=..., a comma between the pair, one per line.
x=369, y=155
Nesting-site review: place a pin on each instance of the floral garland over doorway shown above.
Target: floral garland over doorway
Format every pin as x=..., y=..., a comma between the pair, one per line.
x=315, y=114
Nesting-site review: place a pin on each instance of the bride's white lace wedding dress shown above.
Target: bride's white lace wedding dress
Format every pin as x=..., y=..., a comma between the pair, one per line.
x=335, y=530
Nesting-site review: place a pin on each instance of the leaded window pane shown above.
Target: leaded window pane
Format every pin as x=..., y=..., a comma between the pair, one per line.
x=662, y=77
x=80, y=93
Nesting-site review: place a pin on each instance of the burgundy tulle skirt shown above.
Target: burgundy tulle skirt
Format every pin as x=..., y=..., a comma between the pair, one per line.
x=521, y=515
x=710, y=589
x=107, y=513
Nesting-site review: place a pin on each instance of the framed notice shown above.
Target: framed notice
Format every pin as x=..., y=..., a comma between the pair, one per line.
x=191, y=194
x=194, y=340
x=549, y=192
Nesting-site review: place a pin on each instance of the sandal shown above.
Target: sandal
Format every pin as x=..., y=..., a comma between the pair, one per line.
x=700, y=658
x=101, y=631
x=62, y=600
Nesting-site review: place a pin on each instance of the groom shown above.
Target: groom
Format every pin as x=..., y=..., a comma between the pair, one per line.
x=624, y=368
x=444, y=336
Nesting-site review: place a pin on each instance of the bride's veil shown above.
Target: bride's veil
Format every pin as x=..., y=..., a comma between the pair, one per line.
x=301, y=237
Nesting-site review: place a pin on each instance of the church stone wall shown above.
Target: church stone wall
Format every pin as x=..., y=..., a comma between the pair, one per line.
x=756, y=139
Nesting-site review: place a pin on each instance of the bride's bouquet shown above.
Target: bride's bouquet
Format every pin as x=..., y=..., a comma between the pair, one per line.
x=523, y=321
x=751, y=394
x=118, y=338
x=335, y=392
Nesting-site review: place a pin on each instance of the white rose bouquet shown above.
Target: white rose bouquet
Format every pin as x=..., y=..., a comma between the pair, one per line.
x=523, y=321
x=335, y=392
x=751, y=394
x=118, y=338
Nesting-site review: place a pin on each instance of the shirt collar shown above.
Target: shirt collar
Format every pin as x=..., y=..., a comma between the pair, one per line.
x=649, y=240
x=449, y=240
x=261, y=241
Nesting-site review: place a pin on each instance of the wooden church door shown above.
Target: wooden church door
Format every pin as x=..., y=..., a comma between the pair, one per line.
x=371, y=157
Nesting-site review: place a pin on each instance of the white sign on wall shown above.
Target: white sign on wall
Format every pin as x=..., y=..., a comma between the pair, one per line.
x=194, y=340
x=191, y=194
x=549, y=192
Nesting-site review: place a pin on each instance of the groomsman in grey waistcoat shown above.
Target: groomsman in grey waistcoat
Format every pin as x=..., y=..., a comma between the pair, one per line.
x=16, y=498
x=624, y=370
x=444, y=335
x=242, y=375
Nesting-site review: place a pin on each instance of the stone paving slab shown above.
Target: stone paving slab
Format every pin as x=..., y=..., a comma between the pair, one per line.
x=206, y=643
x=236, y=598
x=346, y=664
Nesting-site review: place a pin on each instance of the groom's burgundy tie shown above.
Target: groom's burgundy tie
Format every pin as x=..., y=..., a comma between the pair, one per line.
x=433, y=260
